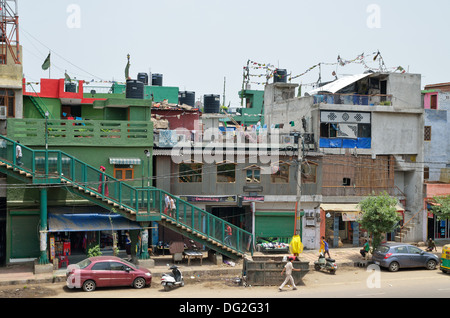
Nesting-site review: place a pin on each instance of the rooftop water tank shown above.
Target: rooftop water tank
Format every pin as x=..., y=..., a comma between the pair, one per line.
x=279, y=76
x=187, y=98
x=134, y=89
x=157, y=79
x=211, y=103
x=143, y=77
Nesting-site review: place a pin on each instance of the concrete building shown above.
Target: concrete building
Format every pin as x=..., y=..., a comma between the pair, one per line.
x=436, y=102
x=367, y=133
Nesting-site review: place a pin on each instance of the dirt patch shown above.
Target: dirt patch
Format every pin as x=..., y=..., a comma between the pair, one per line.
x=29, y=291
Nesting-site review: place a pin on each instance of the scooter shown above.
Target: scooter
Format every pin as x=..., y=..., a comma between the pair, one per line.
x=173, y=279
x=328, y=264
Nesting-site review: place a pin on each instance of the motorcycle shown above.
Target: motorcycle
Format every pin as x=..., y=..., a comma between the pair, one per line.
x=328, y=264
x=173, y=279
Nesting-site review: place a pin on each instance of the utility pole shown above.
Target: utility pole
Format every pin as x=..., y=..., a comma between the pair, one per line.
x=297, y=229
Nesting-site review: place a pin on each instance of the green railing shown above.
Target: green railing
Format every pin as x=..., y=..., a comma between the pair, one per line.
x=54, y=166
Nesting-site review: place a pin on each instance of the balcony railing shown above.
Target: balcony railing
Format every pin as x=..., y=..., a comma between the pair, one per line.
x=354, y=99
x=81, y=132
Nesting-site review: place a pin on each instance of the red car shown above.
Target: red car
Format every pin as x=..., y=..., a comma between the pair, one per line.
x=106, y=271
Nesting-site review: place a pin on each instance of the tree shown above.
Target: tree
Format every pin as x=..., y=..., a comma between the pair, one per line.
x=379, y=216
x=442, y=207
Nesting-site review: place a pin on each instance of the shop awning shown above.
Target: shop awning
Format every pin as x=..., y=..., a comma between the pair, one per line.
x=74, y=222
x=347, y=207
x=125, y=161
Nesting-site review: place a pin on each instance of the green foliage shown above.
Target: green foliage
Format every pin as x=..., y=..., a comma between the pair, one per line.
x=442, y=207
x=379, y=215
x=94, y=251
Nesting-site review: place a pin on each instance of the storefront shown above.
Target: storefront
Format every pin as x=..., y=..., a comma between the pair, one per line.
x=437, y=229
x=73, y=231
x=341, y=224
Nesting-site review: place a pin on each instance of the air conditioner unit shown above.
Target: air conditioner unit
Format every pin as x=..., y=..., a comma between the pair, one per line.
x=2, y=112
x=287, y=140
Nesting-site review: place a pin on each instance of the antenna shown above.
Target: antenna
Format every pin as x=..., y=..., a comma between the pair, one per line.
x=9, y=31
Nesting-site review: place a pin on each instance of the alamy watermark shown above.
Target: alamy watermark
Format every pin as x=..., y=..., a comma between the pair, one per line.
x=213, y=146
x=74, y=19
x=373, y=21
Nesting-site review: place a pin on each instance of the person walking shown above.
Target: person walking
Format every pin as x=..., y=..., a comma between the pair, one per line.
x=128, y=246
x=324, y=247
x=18, y=154
x=103, y=180
x=288, y=268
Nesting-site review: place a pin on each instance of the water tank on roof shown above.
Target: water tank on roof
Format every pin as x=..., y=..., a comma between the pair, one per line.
x=143, y=77
x=279, y=76
x=134, y=89
x=187, y=98
x=211, y=103
x=157, y=79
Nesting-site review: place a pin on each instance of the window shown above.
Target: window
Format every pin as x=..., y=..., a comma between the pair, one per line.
x=124, y=172
x=103, y=266
x=190, y=172
x=280, y=173
x=426, y=173
x=7, y=98
x=415, y=250
x=116, y=266
x=401, y=250
x=226, y=172
x=427, y=133
x=253, y=174
x=346, y=181
x=309, y=172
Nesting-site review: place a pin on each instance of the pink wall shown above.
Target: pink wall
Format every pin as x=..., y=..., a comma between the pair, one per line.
x=426, y=99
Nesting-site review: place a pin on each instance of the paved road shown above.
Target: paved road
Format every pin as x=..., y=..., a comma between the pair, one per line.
x=347, y=283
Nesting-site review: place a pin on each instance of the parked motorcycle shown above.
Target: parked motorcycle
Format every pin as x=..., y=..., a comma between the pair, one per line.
x=328, y=264
x=173, y=279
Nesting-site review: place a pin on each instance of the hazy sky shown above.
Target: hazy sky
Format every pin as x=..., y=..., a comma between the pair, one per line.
x=195, y=44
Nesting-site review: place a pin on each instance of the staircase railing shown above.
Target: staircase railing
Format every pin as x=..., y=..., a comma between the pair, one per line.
x=54, y=166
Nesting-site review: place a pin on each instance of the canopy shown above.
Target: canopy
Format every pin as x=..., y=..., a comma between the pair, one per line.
x=125, y=161
x=74, y=222
x=338, y=84
x=348, y=207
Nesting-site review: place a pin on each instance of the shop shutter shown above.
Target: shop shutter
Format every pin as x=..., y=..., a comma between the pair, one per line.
x=25, y=236
x=274, y=224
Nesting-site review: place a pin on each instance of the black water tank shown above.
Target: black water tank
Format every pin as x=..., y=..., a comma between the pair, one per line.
x=187, y=98
x=71, y=87
x=143, y=77
x=211, y=103
x=134, y=89
x=279, y=76
x=157, y=79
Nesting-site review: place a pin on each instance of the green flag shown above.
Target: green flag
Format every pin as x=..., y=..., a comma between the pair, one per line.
x=46, y=63
x=127, y=68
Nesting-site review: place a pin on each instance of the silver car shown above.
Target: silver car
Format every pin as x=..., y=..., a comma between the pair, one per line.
x=400, y=255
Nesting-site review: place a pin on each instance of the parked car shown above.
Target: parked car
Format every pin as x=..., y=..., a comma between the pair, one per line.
x=106, y=271
x=400, y=255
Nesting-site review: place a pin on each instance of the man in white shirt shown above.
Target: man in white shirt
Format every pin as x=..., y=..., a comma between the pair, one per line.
x=288, y=268
x=18, y=154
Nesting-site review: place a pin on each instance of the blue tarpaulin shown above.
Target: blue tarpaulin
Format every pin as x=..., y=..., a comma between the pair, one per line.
x=74, y=222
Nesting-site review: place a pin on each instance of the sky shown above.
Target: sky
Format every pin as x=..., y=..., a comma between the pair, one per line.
x=204, y=45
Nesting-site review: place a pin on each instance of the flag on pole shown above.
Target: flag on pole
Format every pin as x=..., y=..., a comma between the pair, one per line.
x=127, y=68
x=46, y=63
x=67, y=77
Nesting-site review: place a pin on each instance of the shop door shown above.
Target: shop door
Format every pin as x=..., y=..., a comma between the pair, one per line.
x=25, y=236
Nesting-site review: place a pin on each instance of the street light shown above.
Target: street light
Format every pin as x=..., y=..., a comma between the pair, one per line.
x=147, y=153
x=46, y=130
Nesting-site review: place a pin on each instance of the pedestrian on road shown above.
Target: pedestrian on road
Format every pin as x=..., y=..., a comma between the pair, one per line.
x=324, y=247
x=128, y=245
x=288, y=268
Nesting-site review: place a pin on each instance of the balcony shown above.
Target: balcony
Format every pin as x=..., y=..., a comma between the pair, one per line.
x=81, y=132
x=353, y=99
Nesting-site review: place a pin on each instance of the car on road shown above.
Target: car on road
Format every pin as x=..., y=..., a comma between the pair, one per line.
x=394, y=256
x=106, y=271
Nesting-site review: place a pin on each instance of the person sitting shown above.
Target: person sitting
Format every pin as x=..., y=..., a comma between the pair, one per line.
x=365, y=250
x=431, y=245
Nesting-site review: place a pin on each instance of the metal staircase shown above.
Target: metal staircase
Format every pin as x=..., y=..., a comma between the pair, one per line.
x=50, y=167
